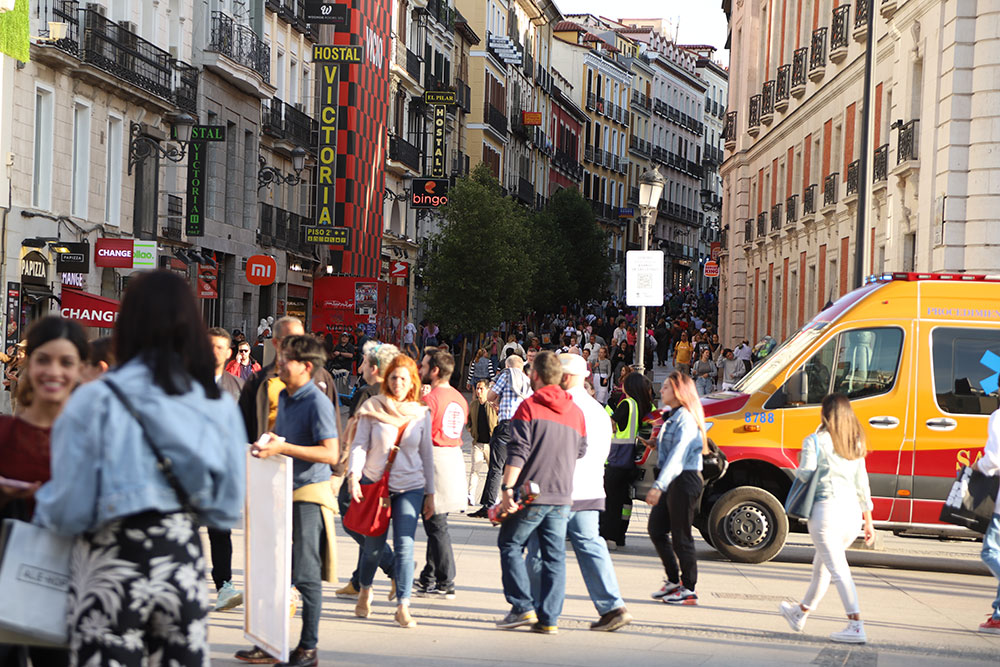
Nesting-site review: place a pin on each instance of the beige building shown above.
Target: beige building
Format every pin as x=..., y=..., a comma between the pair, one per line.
x=793, y=137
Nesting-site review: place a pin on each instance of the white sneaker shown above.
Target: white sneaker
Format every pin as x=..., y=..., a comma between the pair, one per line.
x=612, y=545
x=854, y=633
x=665, y=590
x=681, y=596
x=794, y=615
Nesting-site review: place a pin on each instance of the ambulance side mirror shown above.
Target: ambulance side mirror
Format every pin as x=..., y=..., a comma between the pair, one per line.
x=796, y=388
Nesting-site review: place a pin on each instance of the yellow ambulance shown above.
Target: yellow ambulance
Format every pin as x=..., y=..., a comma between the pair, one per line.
x=919, y=357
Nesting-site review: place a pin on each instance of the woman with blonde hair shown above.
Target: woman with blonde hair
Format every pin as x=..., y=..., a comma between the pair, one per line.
x=396, y=414
x=680, y=445
x=836, y=453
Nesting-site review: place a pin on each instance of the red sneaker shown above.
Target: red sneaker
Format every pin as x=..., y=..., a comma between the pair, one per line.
x=992, y=626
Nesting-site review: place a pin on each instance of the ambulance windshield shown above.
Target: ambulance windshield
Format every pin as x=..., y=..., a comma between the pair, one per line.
x=787, y=352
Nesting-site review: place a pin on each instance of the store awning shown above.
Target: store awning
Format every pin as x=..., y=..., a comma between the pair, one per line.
x=90, y=310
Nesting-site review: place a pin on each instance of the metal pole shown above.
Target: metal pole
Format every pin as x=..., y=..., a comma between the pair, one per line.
x=865, y=157
x=641, y=337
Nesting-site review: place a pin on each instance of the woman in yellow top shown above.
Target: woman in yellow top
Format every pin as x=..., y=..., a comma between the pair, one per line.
x=682, y=355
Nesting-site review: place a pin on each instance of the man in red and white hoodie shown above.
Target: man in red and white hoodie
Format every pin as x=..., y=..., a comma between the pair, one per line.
x=449, y=414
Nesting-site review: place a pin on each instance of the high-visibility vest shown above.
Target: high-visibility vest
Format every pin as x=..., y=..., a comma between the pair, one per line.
x=623, y=440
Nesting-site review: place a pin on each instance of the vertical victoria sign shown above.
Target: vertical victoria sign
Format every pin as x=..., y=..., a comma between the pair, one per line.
x=194, y=221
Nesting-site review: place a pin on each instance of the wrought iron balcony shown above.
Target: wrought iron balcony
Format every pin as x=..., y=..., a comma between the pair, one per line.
x=240, y=44
x=830, y=189
x=761, y=224
x=791, y=209
x=299, y=126
x=640, y=146
x=839, y=35
x=400, y=150
x=817, y=54
x=881, y=163
x=641, y=100
x=729, y=128
x=809, y=200
x=495, y=119
x=413, y=65
x=633, y=196
x=754, y=114
x=767, y=102
x=272, y=122
x=748, y=230
x=782, y=87
x=852, y=177
x=860, y=19
x=525, y=191
x=800, y=60
x=776, y=218
x=588, y=153
x=906, y=148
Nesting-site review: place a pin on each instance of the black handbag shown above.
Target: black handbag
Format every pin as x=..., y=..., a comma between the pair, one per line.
x=972, y=500
x=714, y=464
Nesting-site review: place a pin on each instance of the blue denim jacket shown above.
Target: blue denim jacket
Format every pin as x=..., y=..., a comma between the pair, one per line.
x=103, y=469
x=678, y=447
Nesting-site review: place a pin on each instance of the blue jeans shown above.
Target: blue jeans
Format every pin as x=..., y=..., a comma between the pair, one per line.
x=592, y=556
x=549, y=522
x=307, y=541
x=386, y=562
x=406, y=507
x=991, y=556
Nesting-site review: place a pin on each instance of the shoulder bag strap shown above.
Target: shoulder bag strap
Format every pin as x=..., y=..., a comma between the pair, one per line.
x=394, y=450
x=165, y=465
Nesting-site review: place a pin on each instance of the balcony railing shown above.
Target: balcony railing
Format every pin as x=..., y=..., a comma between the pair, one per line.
x=761, y=224
x=860, y=14
x=641, y=100
x=413, y=65
x=840, y=32
x=640, y=146
x=906, y=149
x=400, y=150
x=525, y=191
x=495, y=119
x=240, y=44
x=817, y=52
x=852, y=177
x=830, y=189
x=272, y=122
x=800, y=60
x=767, y=101
x=881, y=163
x=748, y=230
x=567, y=161
x=186, y=92
x=776, y=218
x=588, y=153
x=791, y=209
x=299, y=126
x=633, y=196
x=754, y=111
x=781, y=89
x=809, y=200
x=729, y=128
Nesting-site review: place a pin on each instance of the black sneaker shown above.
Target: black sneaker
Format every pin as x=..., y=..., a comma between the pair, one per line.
x=444, y=592
x=422, y=590
x=480, y=513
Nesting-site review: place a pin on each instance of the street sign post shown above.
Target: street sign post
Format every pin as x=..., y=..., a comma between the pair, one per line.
x=644, y=277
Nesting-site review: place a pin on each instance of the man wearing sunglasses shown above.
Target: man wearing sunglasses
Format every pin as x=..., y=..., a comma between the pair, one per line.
x=243, y=366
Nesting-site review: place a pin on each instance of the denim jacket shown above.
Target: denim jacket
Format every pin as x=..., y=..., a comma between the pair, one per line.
x=678, y=447
x=103, y=469
x=839, y=479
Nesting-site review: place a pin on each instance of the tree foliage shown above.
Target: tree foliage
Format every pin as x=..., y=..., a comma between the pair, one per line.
x=492, y=259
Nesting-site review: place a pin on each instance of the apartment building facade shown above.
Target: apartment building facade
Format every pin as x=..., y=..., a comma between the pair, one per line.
x=792, y=173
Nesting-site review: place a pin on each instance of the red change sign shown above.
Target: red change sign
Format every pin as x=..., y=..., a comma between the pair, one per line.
x=116, y=253
x=88, y=309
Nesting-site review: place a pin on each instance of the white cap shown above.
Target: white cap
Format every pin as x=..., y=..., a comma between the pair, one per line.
x=704, y=330
x=573, y=364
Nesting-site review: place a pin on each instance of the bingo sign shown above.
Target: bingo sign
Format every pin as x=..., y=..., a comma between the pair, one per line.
x=365, y=298
x=711, y=269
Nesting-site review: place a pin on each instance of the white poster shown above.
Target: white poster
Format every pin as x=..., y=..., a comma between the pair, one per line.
x=644, y=277
x=268, y=553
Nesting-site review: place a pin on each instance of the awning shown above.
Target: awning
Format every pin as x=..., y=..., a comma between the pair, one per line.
x=89, y=310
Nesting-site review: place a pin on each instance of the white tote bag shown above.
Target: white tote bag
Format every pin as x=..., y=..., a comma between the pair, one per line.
x=34, y=585
x=450, y=476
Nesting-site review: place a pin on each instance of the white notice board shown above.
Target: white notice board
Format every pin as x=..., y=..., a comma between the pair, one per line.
x=268, y=553
x=644, y=277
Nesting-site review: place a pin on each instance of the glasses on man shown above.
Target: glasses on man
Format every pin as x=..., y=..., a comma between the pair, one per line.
x=244, y=350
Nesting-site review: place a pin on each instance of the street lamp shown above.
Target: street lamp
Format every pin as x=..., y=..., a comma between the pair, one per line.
x=141, y=146
x=270, y=175
x=650, y=188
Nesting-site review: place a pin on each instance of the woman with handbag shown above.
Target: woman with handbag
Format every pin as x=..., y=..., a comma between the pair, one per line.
x=56, y=352
x=833, y=460
x=137, y=580
x=680, y=445
x=392, y=444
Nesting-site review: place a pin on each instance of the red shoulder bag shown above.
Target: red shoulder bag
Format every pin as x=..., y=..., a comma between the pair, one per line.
x=371, y=516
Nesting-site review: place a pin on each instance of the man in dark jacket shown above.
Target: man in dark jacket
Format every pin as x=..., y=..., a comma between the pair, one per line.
x=547, y=436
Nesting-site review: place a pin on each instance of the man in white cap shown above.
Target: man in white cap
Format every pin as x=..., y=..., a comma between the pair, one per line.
x=588, y=502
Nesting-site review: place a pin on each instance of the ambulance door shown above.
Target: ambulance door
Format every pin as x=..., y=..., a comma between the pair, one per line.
x=955, y=393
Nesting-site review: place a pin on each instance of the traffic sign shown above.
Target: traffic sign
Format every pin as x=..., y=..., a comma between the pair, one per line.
x=261, y=270
x=644, y=277
x=711, y=269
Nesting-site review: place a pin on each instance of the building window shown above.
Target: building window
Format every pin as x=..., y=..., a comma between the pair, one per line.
x=81, y=159
x=41, y=190
x=113, y=174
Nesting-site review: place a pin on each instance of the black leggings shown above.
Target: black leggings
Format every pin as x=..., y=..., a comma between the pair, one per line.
x=614, y=518
x=672, y=517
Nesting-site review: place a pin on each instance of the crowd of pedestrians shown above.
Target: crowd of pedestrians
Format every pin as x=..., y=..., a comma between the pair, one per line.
x=558, y=418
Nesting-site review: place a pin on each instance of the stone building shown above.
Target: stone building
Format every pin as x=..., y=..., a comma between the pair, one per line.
x=792, y=173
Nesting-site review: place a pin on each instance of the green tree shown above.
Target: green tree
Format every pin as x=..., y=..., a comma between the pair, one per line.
x=550, y=254
x=479, y=270
x=586, y=245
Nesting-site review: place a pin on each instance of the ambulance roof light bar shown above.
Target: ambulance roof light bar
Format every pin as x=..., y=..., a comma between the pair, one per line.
x=912, y=275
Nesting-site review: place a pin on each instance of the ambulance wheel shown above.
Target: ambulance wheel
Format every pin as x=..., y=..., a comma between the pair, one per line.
x=748, y=525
